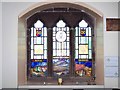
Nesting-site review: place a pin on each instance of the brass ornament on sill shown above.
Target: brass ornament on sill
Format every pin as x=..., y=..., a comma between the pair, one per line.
x=60, y=81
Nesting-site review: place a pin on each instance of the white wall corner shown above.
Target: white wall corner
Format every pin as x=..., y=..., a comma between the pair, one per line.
x=0, y=45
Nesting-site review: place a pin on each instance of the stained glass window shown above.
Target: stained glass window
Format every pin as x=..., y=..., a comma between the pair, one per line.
x=61, y=49
x=39, y=67
x=60, y=66
x=83, y=49
x=38, y=50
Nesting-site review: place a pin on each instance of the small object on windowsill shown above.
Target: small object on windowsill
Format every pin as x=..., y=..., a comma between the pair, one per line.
x=60, y=81
x=77, y=83
x=44, y=83
x=88, y=82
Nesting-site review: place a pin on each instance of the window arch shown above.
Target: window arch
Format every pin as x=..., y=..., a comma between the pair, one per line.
x=60, y=47
x=83, y=49
x=38, y=50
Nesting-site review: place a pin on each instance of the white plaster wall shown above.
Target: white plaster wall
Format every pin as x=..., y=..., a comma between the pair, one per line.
x=10, y=36
x=11, y=12
x=0, y=45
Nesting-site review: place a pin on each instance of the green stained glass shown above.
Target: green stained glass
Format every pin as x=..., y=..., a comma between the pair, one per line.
x=90, y=31
x=84, y=40
x=76, y=53
x=45, y=42
x=90, y=54
x=90, y=46
x=35, y=40
x=31, y=42
x=45, y=31
x=76, y=32
x=76, y=43
x=45, y=54
x=39, y=40
x=87, y=32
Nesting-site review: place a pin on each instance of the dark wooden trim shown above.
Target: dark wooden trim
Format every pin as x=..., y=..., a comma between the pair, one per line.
x=113, y=24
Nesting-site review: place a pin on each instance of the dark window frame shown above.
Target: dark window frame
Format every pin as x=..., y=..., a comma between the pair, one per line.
x=72, y=77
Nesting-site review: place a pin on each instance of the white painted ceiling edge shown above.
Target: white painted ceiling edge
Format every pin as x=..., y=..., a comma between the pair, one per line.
x=58, y=0
x=38, y=4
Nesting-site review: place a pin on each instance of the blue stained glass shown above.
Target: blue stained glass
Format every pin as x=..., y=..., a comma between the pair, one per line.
x=83, y=32
x=60, y=66
x=84, y=40
x=86, y=63
x=38, y=33
x=36, y=64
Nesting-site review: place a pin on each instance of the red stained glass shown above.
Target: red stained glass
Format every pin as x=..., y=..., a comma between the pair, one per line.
x=38, y=33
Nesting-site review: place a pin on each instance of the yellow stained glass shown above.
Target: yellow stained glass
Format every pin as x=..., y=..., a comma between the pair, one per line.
x=83, y=49
x=38, y=49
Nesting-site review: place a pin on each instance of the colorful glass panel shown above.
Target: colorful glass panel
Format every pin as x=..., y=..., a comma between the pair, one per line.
x=83, y=49
x=39, y=68
x=60, y=67
x=61, y=49
x=38, y=33
x=90, y=54
x=38, y=49
x=83, y=68
x=90, y=43
x=83, y=32
x=84, y=40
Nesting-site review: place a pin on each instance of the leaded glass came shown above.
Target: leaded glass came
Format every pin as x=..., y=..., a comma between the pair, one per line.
x=38, y=42
x=83, y=50
x=61, y=49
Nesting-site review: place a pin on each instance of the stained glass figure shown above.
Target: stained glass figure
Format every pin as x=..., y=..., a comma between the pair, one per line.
x=60, y=67
x=39, y=68
x=61, y=49
x=83, y=68
x=83, y=49
x=38, y=49
x=38, y=33
x=61, y=36
x=83, y=32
